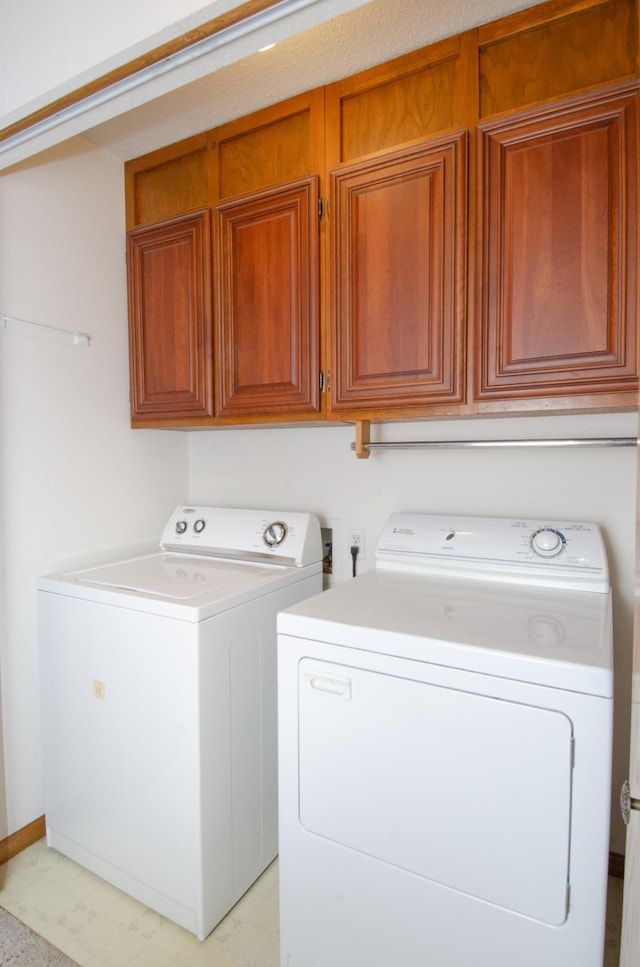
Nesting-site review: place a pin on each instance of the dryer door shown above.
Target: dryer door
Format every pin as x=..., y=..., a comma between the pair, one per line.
x=466, y=789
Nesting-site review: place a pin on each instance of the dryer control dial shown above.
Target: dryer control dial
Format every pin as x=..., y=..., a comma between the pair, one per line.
x=274, y=533
x=181, y=526
x=548, y=542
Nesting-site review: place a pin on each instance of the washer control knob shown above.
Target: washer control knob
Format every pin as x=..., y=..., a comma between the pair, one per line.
x=181, y=526
x=199, y=526
x=548, y=542
x=274, y=533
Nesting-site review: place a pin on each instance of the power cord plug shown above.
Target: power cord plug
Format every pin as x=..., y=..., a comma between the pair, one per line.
x=354, y=554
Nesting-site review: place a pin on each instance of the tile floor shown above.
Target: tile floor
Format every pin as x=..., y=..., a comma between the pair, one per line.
x=98, y=926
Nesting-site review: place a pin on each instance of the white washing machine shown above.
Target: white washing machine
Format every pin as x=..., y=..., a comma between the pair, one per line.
x=159, y=707
x=445, y=735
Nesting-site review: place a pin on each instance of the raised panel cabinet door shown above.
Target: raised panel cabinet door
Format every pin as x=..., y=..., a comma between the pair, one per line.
x=169, y=266
x=557, y=250
x=398, y=286
x=267, y=329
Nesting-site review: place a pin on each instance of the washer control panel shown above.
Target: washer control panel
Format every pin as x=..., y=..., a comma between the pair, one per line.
x=565, y=554
x=244, y=535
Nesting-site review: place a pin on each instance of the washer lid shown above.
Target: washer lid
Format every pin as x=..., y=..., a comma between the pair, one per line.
x=185, y=587
x=177, y=577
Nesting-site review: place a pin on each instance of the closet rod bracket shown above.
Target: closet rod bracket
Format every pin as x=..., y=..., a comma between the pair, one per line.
x=362, y=446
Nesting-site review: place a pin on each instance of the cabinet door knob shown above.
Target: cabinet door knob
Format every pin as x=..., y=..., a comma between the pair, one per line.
x=627, y=802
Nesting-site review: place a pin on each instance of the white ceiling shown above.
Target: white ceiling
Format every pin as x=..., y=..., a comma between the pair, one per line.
x=371, y=34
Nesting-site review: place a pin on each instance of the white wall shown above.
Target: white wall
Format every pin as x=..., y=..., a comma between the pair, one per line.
x=74, y=478
x=315, y=470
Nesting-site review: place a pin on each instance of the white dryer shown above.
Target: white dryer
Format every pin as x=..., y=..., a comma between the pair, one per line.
x=159, y=707
x=445, y=735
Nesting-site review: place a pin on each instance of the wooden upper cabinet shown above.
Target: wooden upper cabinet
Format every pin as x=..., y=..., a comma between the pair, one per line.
x=376, y=293
x=399, y=269
x=169, y=272
x=557, y=256
x=266, y=281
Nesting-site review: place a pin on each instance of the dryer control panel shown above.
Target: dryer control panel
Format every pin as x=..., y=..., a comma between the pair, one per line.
x=563, y=554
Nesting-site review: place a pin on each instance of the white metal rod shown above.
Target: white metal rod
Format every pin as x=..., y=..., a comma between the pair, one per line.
x=44, y=331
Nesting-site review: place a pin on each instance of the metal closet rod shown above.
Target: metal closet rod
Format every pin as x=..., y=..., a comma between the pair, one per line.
x=463, y=444
x=45, y=331
x=363, y=447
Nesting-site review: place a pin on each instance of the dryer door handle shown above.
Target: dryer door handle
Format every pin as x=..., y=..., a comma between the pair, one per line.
x=338, y=686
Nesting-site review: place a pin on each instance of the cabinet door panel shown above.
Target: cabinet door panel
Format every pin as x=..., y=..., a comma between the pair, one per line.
x=558, y=248
x=170, y=318
x=271, y=147
x=555, y=50
x=267, y=302
x=398, y=296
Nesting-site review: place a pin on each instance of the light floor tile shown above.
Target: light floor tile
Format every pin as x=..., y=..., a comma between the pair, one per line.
x=97, y=925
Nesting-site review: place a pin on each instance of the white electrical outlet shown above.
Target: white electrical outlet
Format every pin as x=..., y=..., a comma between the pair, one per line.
x=355, y=538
